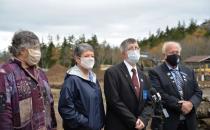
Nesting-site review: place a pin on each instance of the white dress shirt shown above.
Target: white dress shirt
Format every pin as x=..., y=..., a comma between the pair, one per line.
x=129, y=67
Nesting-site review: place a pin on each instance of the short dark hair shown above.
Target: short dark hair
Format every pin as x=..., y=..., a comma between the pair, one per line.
x=126, y=42
x=79, y=49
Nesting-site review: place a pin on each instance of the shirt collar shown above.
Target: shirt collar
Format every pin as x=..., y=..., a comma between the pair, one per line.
x=16, y=60
x=129, y=67
x=170, y=68
x=19, y=62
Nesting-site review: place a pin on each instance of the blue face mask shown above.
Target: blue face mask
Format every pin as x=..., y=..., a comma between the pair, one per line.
x=133, y=56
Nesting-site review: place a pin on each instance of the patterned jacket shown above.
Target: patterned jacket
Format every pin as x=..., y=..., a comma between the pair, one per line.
x=26, y=102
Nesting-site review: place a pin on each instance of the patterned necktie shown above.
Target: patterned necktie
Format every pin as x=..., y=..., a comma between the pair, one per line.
x=179, y=82
x=135, y=83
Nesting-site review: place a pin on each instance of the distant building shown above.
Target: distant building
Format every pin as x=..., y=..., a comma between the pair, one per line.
x=201, y=65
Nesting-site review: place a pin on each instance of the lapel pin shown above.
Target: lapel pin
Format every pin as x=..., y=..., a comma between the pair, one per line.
x=142, y=80
x=168, y=73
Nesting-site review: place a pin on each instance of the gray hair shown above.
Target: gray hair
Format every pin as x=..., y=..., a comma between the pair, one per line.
x=79, y=49
x=23, y=39
x=169, y=43
x=125, y=43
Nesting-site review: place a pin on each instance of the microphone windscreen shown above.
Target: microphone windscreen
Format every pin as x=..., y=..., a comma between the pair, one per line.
x=153, y=91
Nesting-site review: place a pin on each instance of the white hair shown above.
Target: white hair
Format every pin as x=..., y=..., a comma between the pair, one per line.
x=169, y=43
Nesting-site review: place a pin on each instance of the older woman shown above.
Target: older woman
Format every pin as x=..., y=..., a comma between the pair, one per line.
x=26, y=101
x=80, y=103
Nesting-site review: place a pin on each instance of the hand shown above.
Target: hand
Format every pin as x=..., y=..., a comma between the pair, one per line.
x=186, y=106
x=139, y=124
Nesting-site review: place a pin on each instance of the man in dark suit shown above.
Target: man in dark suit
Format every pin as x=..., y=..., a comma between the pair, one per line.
x=126, y=91
x=179, y=90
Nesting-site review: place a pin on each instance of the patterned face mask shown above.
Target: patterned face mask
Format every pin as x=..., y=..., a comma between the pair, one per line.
x=34, y=56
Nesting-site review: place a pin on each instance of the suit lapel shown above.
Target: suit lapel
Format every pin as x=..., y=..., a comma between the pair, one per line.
x=141, y=82
x=184, y=77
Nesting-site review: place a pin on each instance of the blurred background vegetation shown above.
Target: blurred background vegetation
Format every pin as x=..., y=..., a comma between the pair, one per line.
x=194, y=38
x=57, y=55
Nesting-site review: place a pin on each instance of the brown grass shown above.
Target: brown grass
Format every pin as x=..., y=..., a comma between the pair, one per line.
x=56, y=93
x=56, y=74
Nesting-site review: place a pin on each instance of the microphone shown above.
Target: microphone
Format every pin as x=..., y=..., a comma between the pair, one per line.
x=155, y=95
x=157, y=100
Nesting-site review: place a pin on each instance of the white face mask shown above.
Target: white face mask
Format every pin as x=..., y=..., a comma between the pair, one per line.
x=34, y=56
x=87, y=62
x=133, y=56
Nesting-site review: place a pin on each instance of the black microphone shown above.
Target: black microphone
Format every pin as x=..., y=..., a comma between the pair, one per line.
x=155, y=95
x=157, y=100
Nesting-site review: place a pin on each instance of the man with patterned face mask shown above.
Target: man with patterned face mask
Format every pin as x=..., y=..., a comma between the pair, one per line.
x=178, y=88
x=26, y=102
x=126, y=91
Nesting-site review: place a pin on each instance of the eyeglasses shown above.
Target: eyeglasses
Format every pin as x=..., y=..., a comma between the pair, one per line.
x=133, y=48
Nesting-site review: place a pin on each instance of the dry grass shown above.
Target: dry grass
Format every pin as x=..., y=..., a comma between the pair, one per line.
x=56, y=74
x=56, y=93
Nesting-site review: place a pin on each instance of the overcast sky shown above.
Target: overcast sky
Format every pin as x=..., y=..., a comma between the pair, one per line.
x=110, y=20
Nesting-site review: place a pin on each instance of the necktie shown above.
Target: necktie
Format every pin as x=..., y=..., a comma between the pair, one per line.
x=179, y=82
x=135, y=83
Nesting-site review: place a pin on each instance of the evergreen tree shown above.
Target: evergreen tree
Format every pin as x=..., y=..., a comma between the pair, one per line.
x=81, y=39
x=65, y=53
x=71, y=40
x=49, y=54
x=192, y=27
x=58, y=39
x=43, y=60
x=94, y=43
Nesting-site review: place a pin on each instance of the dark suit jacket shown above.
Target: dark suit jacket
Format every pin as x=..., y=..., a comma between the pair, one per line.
x=123, y=107
x=163, y=81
